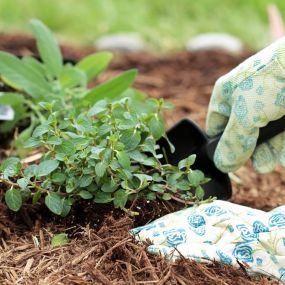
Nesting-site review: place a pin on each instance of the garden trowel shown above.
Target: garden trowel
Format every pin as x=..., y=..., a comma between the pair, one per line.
x=188, y=138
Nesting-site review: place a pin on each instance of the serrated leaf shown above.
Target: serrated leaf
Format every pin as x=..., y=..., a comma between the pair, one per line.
x=48, y=47
x=53, y=140
x=85, y=194
x=111, y=88
x=10, y=167
x=95, y=64
x=59, y=240
x=21, y=74
x=54, y=203
x=46, y=167
x=13, y=199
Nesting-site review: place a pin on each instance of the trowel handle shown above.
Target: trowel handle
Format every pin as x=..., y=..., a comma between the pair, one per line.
x=272, y=129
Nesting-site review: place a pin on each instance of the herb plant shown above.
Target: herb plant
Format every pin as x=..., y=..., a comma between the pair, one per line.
x=108, y=155
x=49, y=79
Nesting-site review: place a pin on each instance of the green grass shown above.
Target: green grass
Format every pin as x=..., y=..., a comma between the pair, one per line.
x=164, y=26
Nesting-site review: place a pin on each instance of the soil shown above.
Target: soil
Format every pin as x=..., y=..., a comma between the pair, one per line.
x=100, y=250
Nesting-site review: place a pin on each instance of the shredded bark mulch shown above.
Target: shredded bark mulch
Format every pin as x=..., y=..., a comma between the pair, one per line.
x=100, y=250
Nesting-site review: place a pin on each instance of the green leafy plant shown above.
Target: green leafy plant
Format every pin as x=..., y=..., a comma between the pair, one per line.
x=51, y=80
x=108, y=155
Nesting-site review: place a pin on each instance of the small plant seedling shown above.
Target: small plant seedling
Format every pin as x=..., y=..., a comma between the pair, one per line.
x=107, y=155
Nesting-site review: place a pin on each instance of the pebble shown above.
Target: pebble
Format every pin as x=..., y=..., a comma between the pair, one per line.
x=125, y=42
x=214, y=41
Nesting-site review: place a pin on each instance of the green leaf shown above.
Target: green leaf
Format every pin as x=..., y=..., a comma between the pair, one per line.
x=199, y=192
x=17, y=103
x=103, y=198
x=111, y=88
x=195, y=177
x=85, y=195
x=13, y=199
x=85, y=181
x=48, y=47
x=187, y=162
x=32, y=143
x=58, y=178
x=40, y=130
x=26, y=78
x=109, y=186
x=120, y=199
x=124, y=159
x=100, y=169
x=95, y=64
x=10, y=167
x=67, y=148
x=166, y=196
x=36, y=197
x=66, y=206
x=151, y=196
x=54, y=203
x=34, y=64
x=53, y=140
x=130, y=139
x=23, y=182
x=46, y=167
x=160, y=188
x=72, y=77
x=156, y=126
x=59, y=240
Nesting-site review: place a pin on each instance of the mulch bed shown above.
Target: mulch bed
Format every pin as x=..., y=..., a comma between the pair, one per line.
x=100, y=250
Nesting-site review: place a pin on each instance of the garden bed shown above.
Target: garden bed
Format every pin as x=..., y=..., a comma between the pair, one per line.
x=100, y=250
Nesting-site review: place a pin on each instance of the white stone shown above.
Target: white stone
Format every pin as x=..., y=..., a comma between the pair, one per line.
x=126, y=42
x=211, y=41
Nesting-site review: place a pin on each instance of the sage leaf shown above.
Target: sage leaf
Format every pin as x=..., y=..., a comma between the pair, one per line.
x=48, y=47
x=95, y=64
x=111, y=88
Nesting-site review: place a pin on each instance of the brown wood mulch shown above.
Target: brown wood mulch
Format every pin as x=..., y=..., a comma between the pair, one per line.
x=100, y=250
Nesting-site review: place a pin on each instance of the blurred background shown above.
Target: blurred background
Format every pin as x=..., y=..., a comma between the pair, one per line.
x=163, y=25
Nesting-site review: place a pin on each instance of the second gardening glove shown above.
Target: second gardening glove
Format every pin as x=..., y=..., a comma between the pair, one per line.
x=244, y=100
x=221, y=231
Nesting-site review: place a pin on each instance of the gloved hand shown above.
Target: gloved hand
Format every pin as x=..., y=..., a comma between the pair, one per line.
x=224, y=232
x=244, y=100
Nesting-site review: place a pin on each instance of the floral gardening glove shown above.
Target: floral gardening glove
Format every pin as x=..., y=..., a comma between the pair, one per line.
x=244, y=100
x=224, y=232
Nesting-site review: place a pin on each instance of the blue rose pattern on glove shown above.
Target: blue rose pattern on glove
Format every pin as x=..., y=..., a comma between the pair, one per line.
x=224, y=232
x=244, y=100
